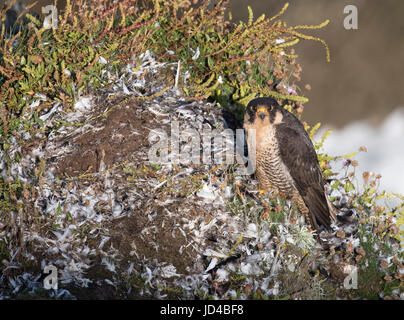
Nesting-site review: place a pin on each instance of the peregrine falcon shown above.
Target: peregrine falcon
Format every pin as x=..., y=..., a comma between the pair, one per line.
x=286, y=161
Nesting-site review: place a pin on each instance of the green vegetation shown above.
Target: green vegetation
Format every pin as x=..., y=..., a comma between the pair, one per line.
x=225, y=62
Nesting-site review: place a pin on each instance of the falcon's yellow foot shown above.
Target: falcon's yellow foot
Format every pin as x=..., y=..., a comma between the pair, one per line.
x=261, y=191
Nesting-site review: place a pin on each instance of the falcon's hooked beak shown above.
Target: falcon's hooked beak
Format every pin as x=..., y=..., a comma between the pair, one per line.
x=262, y=112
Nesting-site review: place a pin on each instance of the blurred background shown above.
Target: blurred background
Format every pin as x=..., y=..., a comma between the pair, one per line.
x=360, y=93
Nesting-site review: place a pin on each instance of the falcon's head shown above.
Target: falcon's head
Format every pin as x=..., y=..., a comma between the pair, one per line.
x=263, y=111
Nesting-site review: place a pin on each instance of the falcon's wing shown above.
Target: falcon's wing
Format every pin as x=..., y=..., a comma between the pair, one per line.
x=298, y=154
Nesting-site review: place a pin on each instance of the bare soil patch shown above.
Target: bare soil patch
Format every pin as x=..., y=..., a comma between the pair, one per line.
x=122, y=132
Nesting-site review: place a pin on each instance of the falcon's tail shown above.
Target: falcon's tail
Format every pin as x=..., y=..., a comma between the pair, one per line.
x=321, y=211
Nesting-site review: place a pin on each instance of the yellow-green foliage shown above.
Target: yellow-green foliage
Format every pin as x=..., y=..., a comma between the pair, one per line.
x=235, y=61
x=231, y=62
x=380, y=226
